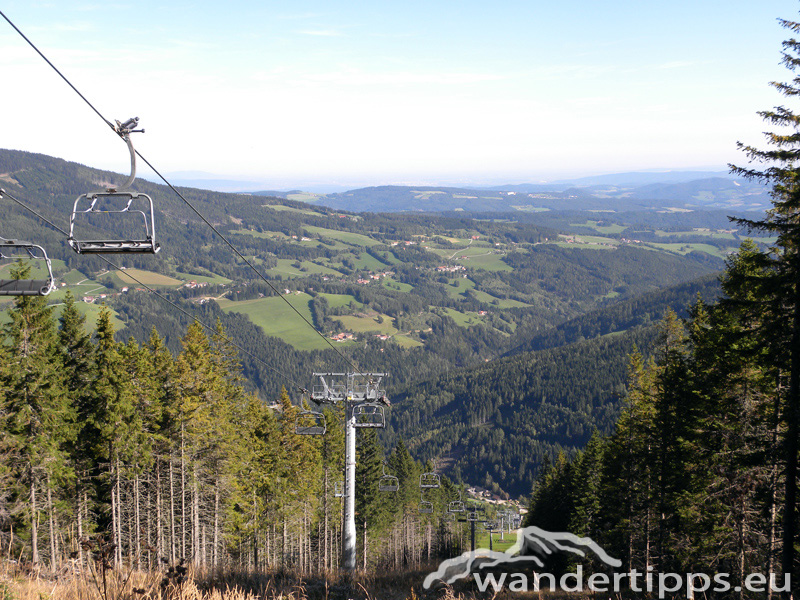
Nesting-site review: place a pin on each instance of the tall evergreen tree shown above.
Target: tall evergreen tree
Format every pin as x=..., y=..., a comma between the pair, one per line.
x=38, y=417
x=777, y=278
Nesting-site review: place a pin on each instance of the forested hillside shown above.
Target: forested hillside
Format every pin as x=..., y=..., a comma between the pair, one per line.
x=128, y=452
x=497, y=423
x=411, y=294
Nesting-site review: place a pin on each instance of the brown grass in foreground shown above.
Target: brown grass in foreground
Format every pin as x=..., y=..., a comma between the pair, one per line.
x=177, y=583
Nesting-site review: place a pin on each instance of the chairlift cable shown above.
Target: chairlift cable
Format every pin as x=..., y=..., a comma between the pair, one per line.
x=160, y=296
x=189, y=204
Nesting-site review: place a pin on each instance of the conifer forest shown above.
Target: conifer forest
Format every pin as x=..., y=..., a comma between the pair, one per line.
x=618, y=363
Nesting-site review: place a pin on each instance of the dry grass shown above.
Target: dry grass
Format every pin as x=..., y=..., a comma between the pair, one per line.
x=228, y=585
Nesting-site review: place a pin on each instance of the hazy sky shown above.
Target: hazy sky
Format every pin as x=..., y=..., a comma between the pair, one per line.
x=354, y=93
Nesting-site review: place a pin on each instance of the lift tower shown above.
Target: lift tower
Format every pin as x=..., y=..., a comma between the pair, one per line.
x=364, y=400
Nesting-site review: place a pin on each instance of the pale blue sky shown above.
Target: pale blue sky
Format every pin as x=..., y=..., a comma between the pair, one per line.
x=356, y=93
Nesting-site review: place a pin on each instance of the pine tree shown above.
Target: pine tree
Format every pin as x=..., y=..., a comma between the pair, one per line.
x=114, y=425
x=38, y=417
x=777, y=278
x=76, y=350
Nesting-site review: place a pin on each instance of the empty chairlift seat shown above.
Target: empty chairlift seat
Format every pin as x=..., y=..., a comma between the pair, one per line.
x=310, y=422
x=128, y=214
x=12, y=251
x=456, y=506
x=429, y=480
x=118, y=206
x=368, y=414
x=388, y=483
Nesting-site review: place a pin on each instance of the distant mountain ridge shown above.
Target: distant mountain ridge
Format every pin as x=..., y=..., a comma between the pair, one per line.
x=670, y=191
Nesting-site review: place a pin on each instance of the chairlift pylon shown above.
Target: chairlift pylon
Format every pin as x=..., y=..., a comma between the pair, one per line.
x=368, y=414
x=14, y=250
x=429, y=480
x=117, y=201
x=388, y=483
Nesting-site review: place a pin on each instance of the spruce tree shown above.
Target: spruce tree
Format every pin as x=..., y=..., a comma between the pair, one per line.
x=38, y=419
x=777, y=278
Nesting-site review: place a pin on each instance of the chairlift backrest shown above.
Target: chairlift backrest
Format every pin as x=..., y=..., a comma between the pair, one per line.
x=388, y=483
x=429, y=480
x=13, y=250
x=310, y=422
x=368, y=415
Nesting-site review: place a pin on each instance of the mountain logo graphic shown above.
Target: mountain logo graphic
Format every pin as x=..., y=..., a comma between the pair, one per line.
x=533, y=546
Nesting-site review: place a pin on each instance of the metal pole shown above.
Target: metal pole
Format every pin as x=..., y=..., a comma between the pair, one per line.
x=472, y=535
x=349, y=534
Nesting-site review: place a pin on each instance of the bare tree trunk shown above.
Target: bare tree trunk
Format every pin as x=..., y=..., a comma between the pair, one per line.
x=171, y=512
x=79, y=516
x=159, y=515
x=34, y=519
x=137, y=522
x=116, y=516
x=183, y=495
x=214, y=548
x=196, y=552
x=51, y=521
x=149, y=508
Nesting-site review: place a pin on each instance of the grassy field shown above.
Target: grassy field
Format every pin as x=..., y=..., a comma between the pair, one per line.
x=279, y=320
x=202, y=278
x=405, y=341
x=38, y=268
x=397, y=286
x=679, y=248
x=463, y=319
x=488, y=261
x=369, y=262
x=299, y=197
x=145, y=277
x=614, y=228
x=489, y=299
x=704, y=233
x=367, y=323
x=286, y=268
x=340, y=300
x=72, y=277
x=90, y=288
x=348, y=237
x=456, y=288
x=302, y=197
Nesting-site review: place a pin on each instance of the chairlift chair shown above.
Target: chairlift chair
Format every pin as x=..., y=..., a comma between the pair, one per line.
x=338, y=489
x=117, y=201
x=425, y=507
x=456, y=506
x=368, y=414
x=472, y=515
x=14, y=250
x=388, y=483
x=429, y=480
x=310, y=422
